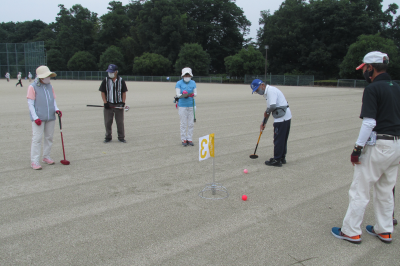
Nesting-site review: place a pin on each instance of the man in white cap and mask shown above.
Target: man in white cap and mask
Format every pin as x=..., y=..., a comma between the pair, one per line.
x=376, y=154
x=185, y=91
x=42, y=108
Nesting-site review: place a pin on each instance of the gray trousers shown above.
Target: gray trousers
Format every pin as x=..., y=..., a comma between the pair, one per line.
x=119, y=119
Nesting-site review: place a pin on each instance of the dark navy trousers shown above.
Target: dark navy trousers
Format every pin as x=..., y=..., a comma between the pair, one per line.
x=281, y=135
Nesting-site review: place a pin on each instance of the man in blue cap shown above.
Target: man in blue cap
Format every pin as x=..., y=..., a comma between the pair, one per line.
x=279, y=108
x=113, y=92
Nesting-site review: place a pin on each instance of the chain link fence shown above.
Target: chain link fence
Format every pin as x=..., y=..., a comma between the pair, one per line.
x=21, y=57
x=286, y=80
x=356, y=83
x=100, y=75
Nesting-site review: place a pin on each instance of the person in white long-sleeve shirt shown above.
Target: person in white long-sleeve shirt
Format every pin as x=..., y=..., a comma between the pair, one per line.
x=42, y=108
x=185, y=91
x=376, y=154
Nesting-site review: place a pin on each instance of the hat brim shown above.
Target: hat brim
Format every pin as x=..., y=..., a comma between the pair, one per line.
x=256, y=88
x=46, y=75
x=187, y=73
x=360, y=66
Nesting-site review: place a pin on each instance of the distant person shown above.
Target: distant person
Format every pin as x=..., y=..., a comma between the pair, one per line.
x=7, y=77
x=185, y=91
x=42, y=108
x=376, y=154
x=19, y=79
x=30, y=77
x=279, y=108
x=113, y=93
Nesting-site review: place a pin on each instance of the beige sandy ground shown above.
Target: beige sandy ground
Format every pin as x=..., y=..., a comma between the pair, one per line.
x=137, y=203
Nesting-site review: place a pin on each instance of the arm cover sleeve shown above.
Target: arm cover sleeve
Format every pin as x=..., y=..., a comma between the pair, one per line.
x=178, y=92
x=31, y=104
x=195, y=92
x=367, y=126
x=271, y=108
x=55, y=105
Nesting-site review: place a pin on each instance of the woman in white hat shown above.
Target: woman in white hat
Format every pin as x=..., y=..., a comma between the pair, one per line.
x=42, y=108
x=185, y=91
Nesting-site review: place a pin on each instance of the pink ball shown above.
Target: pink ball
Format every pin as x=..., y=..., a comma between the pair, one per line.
x=245, y=171
x=244, y=197
x=184, y=92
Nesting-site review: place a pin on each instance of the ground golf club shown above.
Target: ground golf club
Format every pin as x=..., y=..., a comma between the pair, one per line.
x=64, y=162
x=255, y=156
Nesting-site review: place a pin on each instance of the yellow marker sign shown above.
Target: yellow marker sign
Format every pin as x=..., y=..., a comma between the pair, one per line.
x=206, y=147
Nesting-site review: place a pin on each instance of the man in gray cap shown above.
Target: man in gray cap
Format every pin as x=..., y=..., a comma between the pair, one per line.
x=113, y=92
x=376, y=153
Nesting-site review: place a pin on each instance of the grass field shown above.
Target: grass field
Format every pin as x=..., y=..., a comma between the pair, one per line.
x=137, y=203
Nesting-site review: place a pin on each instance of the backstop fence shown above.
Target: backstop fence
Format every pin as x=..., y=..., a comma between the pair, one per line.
x=21, y=57
x=356, y=83
x=286, y=80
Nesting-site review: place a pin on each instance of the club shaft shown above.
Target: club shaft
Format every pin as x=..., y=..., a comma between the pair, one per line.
x=117, y=107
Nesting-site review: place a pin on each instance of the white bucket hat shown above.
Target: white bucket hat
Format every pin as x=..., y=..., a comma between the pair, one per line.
x=187, y=70
x=44, y=72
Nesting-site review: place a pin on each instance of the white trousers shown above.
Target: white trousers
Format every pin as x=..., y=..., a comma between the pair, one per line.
x=378, y=169
x=46, y=128
x=187, y=123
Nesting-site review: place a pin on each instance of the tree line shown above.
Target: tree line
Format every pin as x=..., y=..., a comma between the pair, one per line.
x=159, y=37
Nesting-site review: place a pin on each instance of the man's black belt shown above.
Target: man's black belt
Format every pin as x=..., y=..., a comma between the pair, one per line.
x=387, y=137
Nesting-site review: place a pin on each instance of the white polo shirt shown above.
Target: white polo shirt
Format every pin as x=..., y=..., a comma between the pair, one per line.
x=274, y=96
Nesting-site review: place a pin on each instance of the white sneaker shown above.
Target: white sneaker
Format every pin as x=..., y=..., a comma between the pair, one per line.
x=36, y=166
x=48, y=161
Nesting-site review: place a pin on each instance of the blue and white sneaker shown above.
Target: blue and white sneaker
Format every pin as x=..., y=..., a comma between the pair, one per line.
x=384, y=237
x=337, y=232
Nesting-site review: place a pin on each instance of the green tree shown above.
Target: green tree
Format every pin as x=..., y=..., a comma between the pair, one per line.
x=219, y=26
x=112, y=55
x=75, y=29
x=127, y=46
x=82, y=61
x=314, y=38
x=151, y=64
x=364, y=45
x=115, y=24
x=55, y=60
x=195, y=57
x=247, y=61
x=161, y=28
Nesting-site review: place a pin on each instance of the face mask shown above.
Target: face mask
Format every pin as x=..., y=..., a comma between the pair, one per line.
x=111, y=75
x=260, y=91
x=46, y=80
x=368, y=75
x=187, y=79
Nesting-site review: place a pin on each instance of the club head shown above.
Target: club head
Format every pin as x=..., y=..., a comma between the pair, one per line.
x=254, y=156
x=65, y=162
x=194, y=120
x=126, y=108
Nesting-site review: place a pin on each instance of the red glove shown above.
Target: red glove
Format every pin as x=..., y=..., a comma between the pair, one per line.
x=191, y=95
x=59, y=113
x=38, y=122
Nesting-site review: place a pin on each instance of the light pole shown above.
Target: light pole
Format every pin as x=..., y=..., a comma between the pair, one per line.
x=266, y=50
